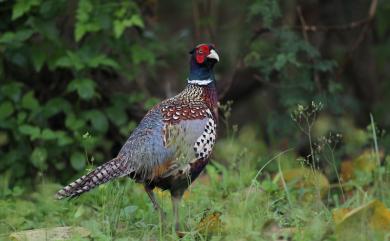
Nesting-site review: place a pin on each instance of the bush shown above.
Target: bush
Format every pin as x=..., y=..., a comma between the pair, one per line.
x=57, y=62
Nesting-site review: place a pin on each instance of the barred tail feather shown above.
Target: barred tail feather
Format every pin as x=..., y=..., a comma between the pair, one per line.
x=102, y=174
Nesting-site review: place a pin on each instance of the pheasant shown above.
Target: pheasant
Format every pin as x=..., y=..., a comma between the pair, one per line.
x=173, y=142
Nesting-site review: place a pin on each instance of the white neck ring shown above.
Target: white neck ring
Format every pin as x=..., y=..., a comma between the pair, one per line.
x=200, y=81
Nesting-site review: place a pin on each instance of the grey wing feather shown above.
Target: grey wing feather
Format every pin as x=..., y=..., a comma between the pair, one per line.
x=150, y=146
x=144, y=149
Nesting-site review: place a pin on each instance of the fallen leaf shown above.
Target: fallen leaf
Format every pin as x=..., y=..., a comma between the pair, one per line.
x=311, y=181
x=362, y=223
x=339, y=214
x=381, y=217
x=365, y=162
x=210, y=223
x=346, y=170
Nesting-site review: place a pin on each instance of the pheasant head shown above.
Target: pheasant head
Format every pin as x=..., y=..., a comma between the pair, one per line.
x=203, y=59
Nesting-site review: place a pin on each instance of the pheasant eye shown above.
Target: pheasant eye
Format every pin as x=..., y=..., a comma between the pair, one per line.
x=201, y=52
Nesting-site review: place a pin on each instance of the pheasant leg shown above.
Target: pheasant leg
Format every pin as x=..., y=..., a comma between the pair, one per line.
x=156, y=206
x=176, y=198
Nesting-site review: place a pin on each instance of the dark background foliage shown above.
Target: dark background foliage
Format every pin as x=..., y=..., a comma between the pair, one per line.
x=77, y=76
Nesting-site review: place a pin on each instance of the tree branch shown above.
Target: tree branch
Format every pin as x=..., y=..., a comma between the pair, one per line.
x=346, y=26
x=325, y=28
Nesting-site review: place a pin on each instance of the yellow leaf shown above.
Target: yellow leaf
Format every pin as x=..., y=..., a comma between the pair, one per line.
x=381, y=217
x=339, y=214
x=362, y=223
x=210, y=223
x=346, y=170
x=311, y=181
x=365, y=162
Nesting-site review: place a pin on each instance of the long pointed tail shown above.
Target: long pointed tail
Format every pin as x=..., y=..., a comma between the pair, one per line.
x=104, y=173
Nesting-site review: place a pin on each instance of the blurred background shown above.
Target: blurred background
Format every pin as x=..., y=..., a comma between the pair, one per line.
x=77, y=76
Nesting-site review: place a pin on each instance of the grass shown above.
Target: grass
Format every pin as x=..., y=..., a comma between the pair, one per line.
x=252, y=198
x=122, y=211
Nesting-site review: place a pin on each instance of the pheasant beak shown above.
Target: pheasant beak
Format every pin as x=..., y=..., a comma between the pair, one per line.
x=213, y=55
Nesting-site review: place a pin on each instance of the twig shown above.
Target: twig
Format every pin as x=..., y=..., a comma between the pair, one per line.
x=347, y=26
x=325, y=28
x=316, y=77
x=229, y=83
x=342, y=27
x=371, y=15
x=195, y=15
x=303, y=22
x=362, y=35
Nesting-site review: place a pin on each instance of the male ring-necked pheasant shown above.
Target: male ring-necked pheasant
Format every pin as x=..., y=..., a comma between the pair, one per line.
x=173, y=142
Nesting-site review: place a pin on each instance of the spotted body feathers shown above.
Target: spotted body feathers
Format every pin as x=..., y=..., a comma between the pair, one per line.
x=204, y=144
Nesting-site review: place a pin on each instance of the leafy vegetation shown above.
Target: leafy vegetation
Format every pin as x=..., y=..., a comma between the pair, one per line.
x=302, y=149
x=62, y=93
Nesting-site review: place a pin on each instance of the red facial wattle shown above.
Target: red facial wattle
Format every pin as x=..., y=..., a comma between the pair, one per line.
x=201, y=53
x=200, y=58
